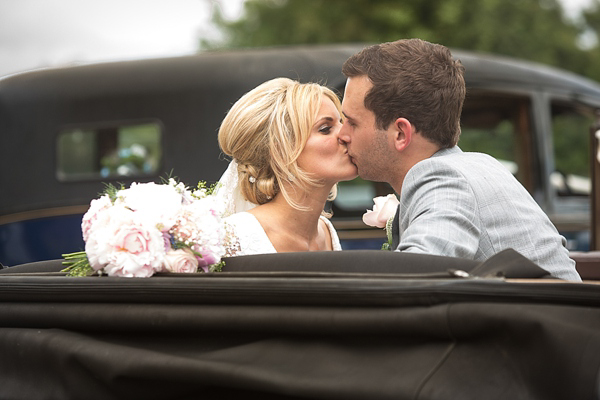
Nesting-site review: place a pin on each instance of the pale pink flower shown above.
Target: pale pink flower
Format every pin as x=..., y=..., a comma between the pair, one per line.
x=203, y=224
x=209, y=257
x=384, y=208
x=181, y=261
x=98, y=245
x=129, y=269
x=97, y=207
x=126, y=246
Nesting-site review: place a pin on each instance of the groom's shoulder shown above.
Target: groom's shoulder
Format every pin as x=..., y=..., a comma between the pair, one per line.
x=443, y=160
x=455, y=159
x=456, y=165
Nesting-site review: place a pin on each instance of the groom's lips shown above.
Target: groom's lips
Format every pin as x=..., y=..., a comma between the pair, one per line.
x=350, y=156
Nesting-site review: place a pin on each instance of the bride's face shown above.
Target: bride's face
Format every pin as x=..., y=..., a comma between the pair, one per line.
x=325, y=157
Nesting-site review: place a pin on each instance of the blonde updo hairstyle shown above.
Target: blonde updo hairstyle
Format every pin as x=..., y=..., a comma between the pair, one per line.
x=266, y=130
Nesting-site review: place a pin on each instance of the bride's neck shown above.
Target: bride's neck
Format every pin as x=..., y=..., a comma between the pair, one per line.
x=286, y=224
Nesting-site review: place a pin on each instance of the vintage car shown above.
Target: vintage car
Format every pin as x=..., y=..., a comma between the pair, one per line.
x=355, y=324
x=67, y=131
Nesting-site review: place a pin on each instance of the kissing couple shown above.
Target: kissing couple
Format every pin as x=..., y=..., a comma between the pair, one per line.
x=398, y=122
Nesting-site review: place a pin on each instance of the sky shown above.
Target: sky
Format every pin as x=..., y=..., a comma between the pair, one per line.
x=50, y=33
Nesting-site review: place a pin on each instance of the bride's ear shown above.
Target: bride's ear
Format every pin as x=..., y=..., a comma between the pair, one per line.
x=403, y=131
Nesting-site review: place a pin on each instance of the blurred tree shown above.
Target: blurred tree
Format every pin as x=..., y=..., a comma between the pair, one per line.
x=529, y=29
x=591, y=26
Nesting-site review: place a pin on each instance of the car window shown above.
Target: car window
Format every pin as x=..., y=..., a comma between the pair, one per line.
x=499, y=125
x=124, y=149
x=570, y=134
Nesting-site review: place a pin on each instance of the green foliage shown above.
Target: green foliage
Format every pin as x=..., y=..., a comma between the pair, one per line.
x=216, y=267
x=529, y=29
x=498, y=142
x=571, y=143
x=208, y=190
x=112, y=190
x=77, y=264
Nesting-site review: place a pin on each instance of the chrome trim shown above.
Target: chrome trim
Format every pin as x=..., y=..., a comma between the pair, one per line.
x=42, y=213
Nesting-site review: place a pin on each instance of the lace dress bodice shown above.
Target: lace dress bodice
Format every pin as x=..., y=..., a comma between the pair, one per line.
x=252, y=239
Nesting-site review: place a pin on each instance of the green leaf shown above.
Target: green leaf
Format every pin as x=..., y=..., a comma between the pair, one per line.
x=77, y=264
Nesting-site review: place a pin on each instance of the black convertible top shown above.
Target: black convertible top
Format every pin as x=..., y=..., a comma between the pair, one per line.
x=337, y=325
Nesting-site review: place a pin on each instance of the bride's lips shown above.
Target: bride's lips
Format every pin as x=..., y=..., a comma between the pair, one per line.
x=351, y=158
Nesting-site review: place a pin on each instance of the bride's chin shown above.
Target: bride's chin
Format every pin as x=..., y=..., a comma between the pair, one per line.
x=351, y=176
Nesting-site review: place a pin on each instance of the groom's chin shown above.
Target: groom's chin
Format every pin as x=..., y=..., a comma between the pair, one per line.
x=369, y=177
x=365, y=176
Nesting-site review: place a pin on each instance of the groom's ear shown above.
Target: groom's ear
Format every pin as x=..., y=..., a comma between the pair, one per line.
x=403, y=131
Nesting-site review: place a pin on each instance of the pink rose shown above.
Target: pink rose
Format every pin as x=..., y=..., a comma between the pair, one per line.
x=138, y=250
x=130, y=269
x=125, y=244
x=133, y=239
x=385, y=208
x=97, y=207
x=181, y=261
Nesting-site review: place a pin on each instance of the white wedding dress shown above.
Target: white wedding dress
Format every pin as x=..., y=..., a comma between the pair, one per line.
x=251, y=238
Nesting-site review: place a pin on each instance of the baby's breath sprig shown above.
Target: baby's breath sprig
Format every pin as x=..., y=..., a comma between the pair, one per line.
x=203, y=189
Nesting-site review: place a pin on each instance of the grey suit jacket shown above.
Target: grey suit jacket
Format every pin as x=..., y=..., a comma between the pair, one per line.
x=468, y=205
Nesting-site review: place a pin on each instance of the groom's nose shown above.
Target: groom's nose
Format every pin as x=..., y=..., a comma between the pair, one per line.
x=343, y=135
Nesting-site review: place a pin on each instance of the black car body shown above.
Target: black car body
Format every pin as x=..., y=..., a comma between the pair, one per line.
x=356, y=324
x=66, y=131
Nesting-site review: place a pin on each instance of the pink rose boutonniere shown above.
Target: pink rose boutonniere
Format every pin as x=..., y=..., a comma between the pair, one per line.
x=382, y=215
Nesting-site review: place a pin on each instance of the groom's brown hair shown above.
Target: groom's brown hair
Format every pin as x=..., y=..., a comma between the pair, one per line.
x=416, y=80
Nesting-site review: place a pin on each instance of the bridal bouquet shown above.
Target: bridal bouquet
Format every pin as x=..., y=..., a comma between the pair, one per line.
x=149, y=228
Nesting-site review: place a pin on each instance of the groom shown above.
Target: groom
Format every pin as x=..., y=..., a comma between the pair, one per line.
x=402, y=107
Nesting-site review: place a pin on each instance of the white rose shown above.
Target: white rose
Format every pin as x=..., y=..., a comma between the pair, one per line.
x=384, y=208
x=181, y=261
x=159, y=204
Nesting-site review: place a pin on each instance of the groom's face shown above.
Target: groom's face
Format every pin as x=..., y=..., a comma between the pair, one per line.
x=367, y=146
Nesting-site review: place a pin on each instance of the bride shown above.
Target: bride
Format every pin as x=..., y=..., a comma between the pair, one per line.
x=287, y=159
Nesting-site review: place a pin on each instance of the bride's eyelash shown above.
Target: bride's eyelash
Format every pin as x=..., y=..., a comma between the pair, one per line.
x=325, y=129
